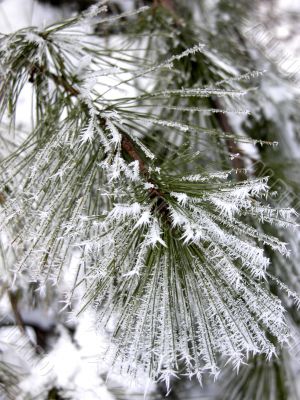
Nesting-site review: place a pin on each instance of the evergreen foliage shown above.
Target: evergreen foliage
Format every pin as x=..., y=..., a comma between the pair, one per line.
x=132, y=162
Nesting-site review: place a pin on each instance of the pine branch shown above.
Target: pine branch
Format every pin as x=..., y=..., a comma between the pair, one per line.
x=2, y=198
x=21, y=323
x=169, y=253
x=127, y=146
x=13, y=299
x=223, y=121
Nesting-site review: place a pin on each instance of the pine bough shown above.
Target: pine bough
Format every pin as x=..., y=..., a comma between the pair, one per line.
x=172, y=257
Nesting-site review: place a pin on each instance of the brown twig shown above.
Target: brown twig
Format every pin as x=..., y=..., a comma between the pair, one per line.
x=2, y=198
x=154, y=193
x=22, y=324
x=60, y=81
x=127, y=146
x=13, y=299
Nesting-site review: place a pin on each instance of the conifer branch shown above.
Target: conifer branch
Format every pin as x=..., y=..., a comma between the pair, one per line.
x=127, y=146
x=2, y=198
x=183, y=289
x=222, y=119
x=13, y=299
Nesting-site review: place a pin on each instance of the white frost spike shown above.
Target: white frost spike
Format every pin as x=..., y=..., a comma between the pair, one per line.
x=169, y=124
x=121, y=211
x=115, y=134
x=87, y=133
x=181, y=197
x=148, y=185
x=145, y=219
x=133, y=171
x=32, y=37
x=253, y=188
x=169, y=62
x=201, y=92
x=205, y=178
x=227, y=208
x=190, y=234
x=103, y=138
x=246, y=76
x=95, y=9
x=117, y=167
x=153, y=235
x=293, y=295
x=205, y=110
x=259, y=186
x=178, y=219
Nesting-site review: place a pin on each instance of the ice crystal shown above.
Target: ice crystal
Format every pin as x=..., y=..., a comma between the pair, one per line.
x=166, y=262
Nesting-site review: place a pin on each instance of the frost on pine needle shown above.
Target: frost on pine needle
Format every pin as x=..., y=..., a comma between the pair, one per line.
x=172, y=124
x=171, y=255
x=247, y=76
x=205, y=110
x=193, y=285
x=199, y=92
